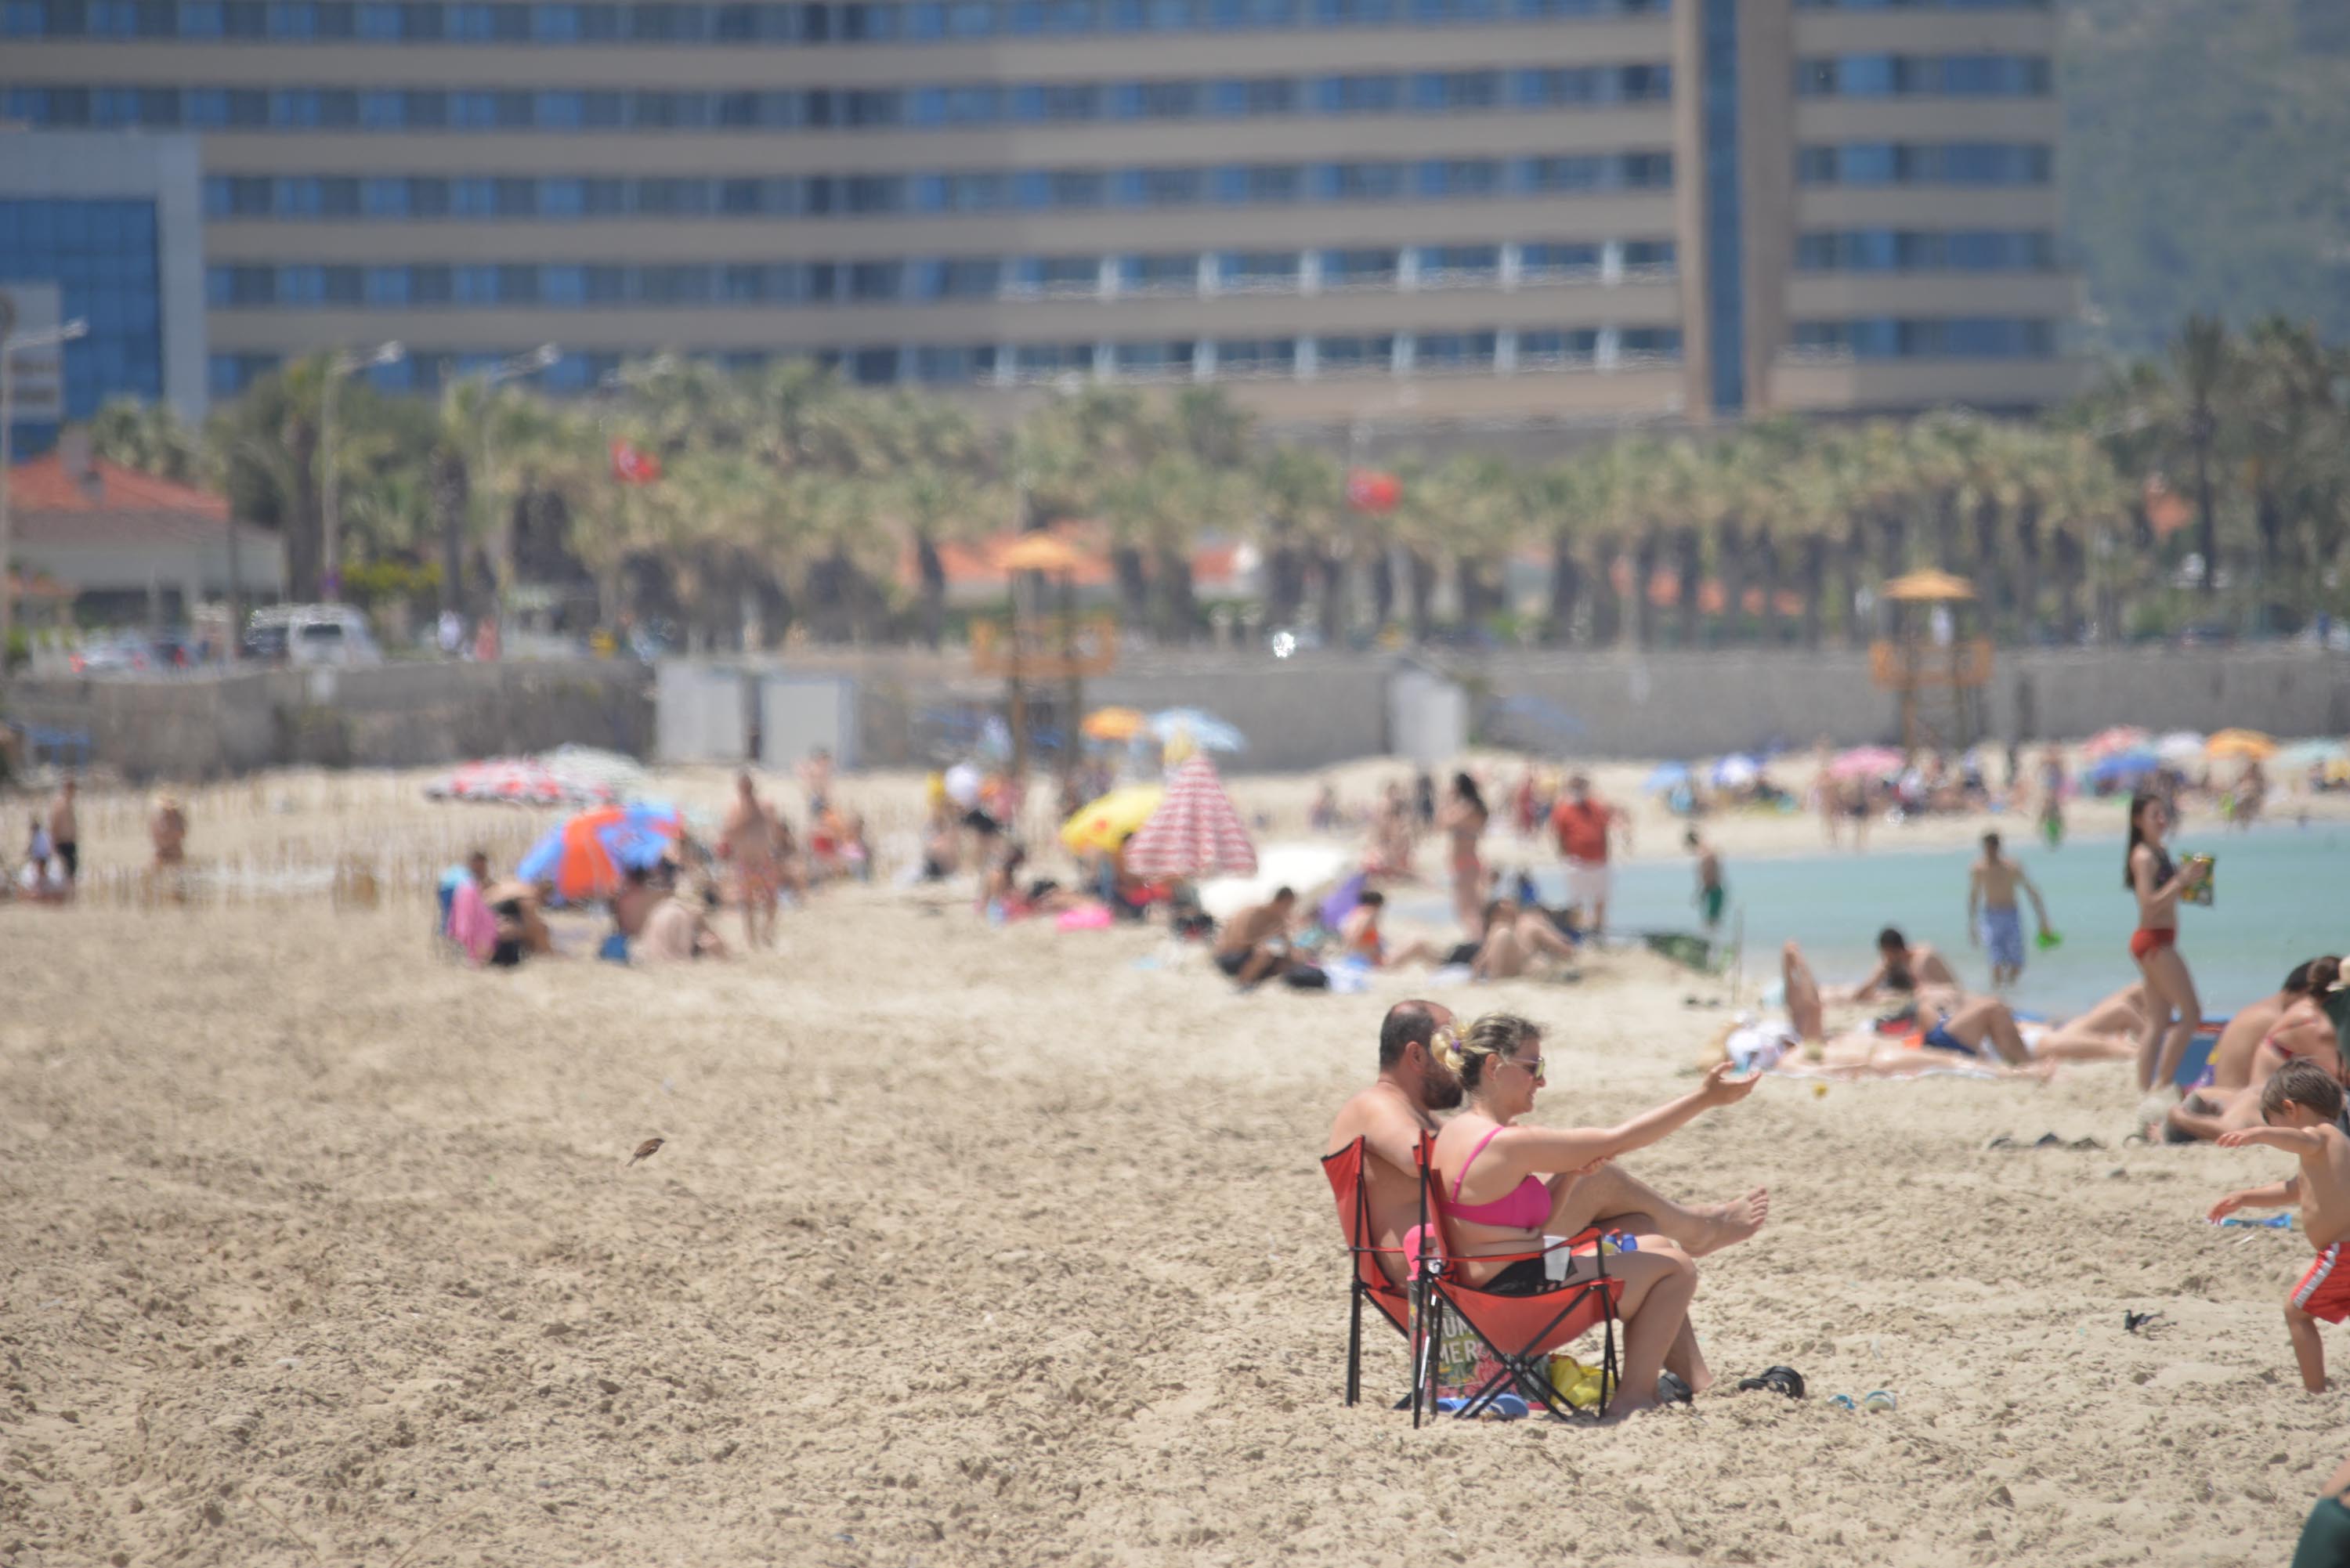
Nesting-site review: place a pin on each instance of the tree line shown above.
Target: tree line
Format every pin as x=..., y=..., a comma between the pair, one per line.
x=2208, y=489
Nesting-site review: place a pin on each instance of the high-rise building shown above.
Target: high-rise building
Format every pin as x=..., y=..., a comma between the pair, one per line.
x=1573, y=211
x=105, y=229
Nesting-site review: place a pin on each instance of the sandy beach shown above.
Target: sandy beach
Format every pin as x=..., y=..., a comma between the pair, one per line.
x=1001, y=1246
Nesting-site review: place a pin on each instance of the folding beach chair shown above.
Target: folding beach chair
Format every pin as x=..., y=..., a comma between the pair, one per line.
x=1518, y=1332
x=1368, y=1281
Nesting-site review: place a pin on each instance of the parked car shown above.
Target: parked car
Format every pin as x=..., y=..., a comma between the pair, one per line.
x=311, y=635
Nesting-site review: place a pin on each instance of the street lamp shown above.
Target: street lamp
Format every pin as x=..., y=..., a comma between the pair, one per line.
x=10, y=343
x=330, y=520
x=521, y=365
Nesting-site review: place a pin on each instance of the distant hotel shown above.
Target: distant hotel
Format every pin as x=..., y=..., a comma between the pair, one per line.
x=1569, y=211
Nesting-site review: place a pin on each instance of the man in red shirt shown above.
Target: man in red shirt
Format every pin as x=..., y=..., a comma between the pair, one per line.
x=1583, y=825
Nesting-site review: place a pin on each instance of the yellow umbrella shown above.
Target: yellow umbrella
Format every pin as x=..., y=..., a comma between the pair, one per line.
x=1114, y=723
x=1037, y=553
x=1105, y=824
x=2240, y=743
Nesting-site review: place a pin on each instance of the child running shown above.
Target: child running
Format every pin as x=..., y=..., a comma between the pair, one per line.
x=2299, y=1108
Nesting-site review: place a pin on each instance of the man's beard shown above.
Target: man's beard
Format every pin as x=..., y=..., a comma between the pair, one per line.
x=1439, y=1093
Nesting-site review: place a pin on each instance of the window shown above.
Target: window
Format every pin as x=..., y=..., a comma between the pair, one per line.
x=1358, y=95
x=1545, y=174
x=1158, y=187
x=1960, y=338
x=1051, y=101
x=338, y=196
x=1173, y=358
x=1253, y=96
x=426, y=109
x=1245, y=356
x=554, y=23
x=955, y=364
x=1257, y=271
x=674, y=285
x=958, y=277
x=606, y=284
x=1438, y=92
x=1541, y=348
x=428, y=196
x=1358, y=182
x=1439, y=265
x=1359, y=269
x=1459, y=176
x=1173, y=274
x=1340, y=355
x=1453, y=351
x=387, y=288
x=1272, y=183
x=384, y=198
x=1650, y=253
x=339, y=287
x=239, y=286
x=673, y=196
x=869, y=280
x=1059, y=274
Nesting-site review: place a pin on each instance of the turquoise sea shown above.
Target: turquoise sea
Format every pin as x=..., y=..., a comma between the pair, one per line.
x=2279, y=900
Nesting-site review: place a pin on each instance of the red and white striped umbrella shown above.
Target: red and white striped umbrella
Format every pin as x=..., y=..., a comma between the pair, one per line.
x=519, y=780
x=1195, y=832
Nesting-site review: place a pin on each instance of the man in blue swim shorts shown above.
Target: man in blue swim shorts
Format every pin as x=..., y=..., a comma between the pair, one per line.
x=1992, y=918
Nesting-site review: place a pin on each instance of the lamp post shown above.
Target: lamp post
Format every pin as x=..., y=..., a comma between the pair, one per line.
x=331, y=520
x=521, y=365
x=10, y=343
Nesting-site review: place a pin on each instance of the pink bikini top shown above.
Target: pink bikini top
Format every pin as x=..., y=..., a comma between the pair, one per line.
x=1523, y=1207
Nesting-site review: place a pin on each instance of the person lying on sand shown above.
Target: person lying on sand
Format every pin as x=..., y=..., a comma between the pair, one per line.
x=2302, y=1032
x=1007, y=895
x=1983, y=1030
x=1360, y=939
x=1413, y=1085
x=2231, y=1058
x=1254, y=943
x=1517, y=939
x=2299, y=1108
x=1507, y=1184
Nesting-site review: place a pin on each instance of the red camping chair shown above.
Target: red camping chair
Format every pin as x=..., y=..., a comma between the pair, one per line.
x=1369, y=1282
x=1519, y=1331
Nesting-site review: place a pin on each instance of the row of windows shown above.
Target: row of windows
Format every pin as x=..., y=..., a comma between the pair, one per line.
x=1924, y=163
x=1933, y=76
x=658, y=22
x=1437, y=353
x=1913, y=250
x=925, y=279
x=824, y=195
x=431, y=108
x=1934, y=338
x=101, y=253
x=1923, y=4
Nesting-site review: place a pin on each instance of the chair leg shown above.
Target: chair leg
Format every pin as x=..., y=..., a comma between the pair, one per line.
x=1355, y=1342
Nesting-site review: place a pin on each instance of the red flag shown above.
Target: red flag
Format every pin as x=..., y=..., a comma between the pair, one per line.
x=631, y=466
x=1371, y=490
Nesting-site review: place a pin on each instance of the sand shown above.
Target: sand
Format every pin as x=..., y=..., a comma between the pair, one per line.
x=975, y=1245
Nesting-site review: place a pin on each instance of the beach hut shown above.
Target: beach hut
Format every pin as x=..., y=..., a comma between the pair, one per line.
x=1934, y=658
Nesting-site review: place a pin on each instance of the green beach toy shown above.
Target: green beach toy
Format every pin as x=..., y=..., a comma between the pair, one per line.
x=2049, y=939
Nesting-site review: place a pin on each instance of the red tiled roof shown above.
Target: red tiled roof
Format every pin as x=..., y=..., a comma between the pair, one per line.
x=44, y=486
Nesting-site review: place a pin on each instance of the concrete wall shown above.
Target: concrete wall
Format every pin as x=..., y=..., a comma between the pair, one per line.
x=399, y=715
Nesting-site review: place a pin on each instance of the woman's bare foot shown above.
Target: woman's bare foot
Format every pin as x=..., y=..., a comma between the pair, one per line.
x=1727, y=1224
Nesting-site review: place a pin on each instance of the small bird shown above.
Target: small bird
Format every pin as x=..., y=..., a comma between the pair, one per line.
x=646, y=1150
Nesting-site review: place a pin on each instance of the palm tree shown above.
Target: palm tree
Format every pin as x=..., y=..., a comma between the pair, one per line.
x=152, y=439
x=1302, y=523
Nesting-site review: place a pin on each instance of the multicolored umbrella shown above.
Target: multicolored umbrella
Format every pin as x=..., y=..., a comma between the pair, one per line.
x=2247, y=743
x=2179, y=746
x=520, y=780
x=1196, y=831
x=2120, y=738
x=1866, y=763
x=2124, y=767
x=586, y=856
x=1101, y=826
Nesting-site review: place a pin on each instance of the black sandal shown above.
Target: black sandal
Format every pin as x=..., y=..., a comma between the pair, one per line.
x=1778, y=1379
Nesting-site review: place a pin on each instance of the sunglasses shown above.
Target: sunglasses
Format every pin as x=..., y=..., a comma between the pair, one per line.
x=1535, y=1066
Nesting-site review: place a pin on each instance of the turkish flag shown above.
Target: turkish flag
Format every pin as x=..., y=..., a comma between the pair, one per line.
x=1371, y=490
x=631, y=466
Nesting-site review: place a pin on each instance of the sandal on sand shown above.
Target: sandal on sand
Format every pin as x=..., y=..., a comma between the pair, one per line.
x=1671, y=1391
x=1778, y=1379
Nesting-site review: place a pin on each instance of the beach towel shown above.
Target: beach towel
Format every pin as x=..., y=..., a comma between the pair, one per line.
x=470, y=925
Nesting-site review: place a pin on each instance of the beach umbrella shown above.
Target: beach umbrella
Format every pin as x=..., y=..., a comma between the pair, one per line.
x=1736, y=771
x=1114, y=723
x=1103, y=825
x=1204, y=730
x=2120, y=738
x=2179, y=746
x=615, y=772
x=962, y=783
x=1303, y=867
x=1667, y=778
x=1866, y=762
x=2247, y=743
x=586, y=856
x=518, y=781
x=2124, y=767
x=1196, y=831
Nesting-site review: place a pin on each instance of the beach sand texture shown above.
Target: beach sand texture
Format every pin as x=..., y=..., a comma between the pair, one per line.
x=971, y=1245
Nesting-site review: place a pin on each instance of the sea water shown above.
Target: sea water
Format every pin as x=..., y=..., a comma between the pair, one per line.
x=2279, y=900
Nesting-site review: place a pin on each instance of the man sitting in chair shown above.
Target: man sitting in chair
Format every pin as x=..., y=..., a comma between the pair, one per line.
x=1402, y=1104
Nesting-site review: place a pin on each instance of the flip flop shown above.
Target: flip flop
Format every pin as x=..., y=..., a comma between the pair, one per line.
x=1778, y=1379
x=1671, y=1391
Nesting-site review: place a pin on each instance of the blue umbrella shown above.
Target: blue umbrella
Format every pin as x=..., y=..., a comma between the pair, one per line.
x=1736, y=771
x=1667, y=776
x=585, y=857
x=1206, y=731
x=2125, y=767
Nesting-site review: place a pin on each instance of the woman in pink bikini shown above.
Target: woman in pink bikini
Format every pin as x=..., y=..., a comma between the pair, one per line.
x=1510, y=1187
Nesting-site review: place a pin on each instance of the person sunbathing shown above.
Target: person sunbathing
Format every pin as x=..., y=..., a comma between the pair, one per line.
x=1006, y=896
x=2302, y=1032
x=1984, y=1030
x=1413, y=1085
x=1511, y=1188
x=1906, y=973
x=1255, y=942
x=1516, y=938
x=1360, y=939
x=2244, y=1033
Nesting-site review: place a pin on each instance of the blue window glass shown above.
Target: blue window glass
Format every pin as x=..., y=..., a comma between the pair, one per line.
x=554, y=23
x=1340, y=355
x=471, y=197
x=470, y=110
x=1360, y=268
x=475, y=284
x=1459, y=263
x=924, y=21
x=1247, y=356
x=377, y=22
x=1551, y=259
x=382, y=197
x=301, y=286
x=1357, y=182
x=468, y=24
x=560, y=110
x=380, y=110
x=563, y=286
x=1459, y=177
x=23, y=19
x=387, y=288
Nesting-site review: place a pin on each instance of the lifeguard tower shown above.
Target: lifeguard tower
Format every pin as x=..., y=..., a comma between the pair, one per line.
x=1935, y=660
x=1042, y=640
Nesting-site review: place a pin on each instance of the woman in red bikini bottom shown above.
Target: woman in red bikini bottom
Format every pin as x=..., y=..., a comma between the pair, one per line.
x=2173, y=1011
x=1509, y=1186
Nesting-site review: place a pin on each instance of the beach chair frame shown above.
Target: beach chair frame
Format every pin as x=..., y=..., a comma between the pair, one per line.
x=1366, y=1281
x=1501, y=1323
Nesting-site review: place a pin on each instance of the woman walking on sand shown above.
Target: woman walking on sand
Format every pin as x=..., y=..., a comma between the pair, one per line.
x=1463, y=821
x=2173, y=1012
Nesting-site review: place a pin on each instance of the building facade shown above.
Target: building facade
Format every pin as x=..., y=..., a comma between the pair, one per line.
x=1578, y=211
x=106, y=229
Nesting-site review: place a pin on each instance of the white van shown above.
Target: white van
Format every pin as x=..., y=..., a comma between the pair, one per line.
x=313, y=635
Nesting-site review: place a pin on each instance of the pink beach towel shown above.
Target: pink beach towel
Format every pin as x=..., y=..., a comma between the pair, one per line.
x=470, y=925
